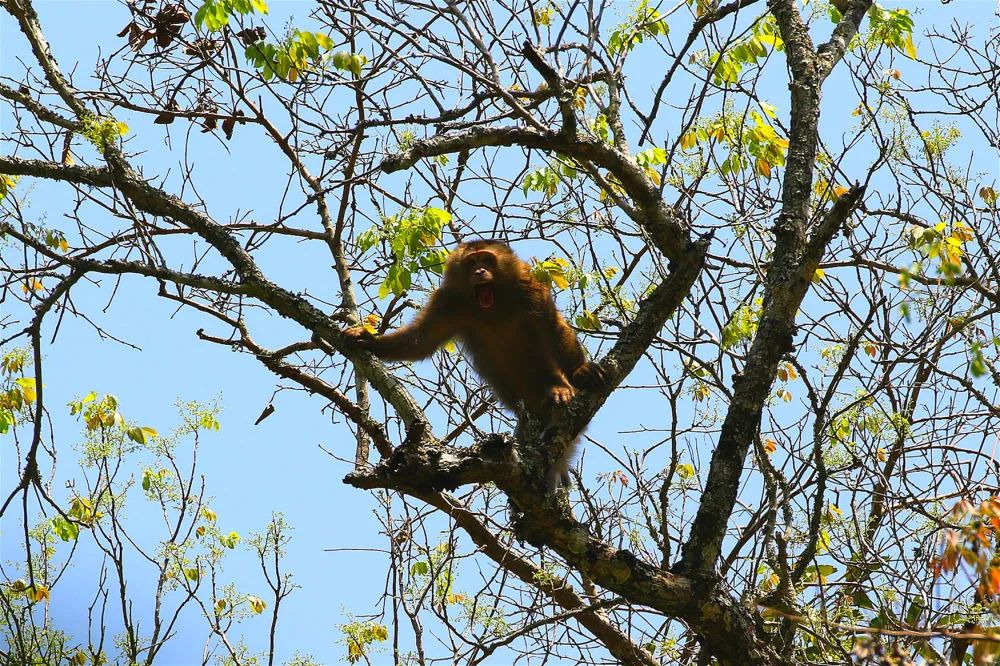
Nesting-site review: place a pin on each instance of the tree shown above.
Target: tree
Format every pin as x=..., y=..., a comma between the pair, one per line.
x=790, y=273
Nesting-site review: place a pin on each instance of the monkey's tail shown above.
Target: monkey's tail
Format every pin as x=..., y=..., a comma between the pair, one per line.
x=558, y=474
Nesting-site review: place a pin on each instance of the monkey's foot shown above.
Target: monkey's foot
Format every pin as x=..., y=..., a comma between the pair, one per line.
x=590, y=375
x=561, y=395
x=360, y=336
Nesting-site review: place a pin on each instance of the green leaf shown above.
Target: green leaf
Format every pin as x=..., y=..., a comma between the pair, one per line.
x=861, y=600
x=357, y=62
x=200, y=14
x=820, y=572
x=341, y=59
x=914, y=612
x=978, y=365
x=420, y=568
x=587, y=320
x=230, y=540
x=644, y=21
x=64, y=529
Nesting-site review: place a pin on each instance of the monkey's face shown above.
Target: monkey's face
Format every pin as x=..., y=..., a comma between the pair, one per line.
x=480, y=273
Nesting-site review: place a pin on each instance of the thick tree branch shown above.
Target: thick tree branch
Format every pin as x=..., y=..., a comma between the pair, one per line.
x=415, y=469
x=829, y=54
x=154, y=201
x=750, y=389
x=650, y=211
x=121, y=267
x=555, y=82
x=27, y=18
x=792, y=266
x=37, y=109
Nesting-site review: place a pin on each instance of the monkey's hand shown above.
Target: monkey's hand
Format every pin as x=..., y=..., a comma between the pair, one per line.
x=561, y=395
x=590, y=375
x=361, y=337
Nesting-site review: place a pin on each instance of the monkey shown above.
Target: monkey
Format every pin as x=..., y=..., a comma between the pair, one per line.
x=508, y=325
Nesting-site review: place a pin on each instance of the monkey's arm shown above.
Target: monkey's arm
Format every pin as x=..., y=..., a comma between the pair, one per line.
x=434, y=326
x=572, y=358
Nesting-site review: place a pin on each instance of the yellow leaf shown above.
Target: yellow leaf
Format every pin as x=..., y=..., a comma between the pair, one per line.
x=28, y=388
x=962, y=232
x=763, y=167
x=839, y=191
x=208, y=514
x=818, y=276
x=689, y=140
x=220, y=605
x=560, y=280
x=988, y=194
x=882, y=455
x=450, y=347
x=770, y=446
x=909, y=48
x=41, y=592
x=371, y=323
x=257, y=605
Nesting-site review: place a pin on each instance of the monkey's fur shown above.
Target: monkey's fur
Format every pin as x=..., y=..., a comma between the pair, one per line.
x=509, y=326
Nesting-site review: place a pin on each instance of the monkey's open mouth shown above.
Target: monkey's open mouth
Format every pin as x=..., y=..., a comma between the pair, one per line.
x=485, y=295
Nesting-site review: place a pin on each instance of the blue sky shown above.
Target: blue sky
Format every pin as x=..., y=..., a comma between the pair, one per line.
x=277, y=466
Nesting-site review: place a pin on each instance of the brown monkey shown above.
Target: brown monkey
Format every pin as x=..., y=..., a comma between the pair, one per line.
x=509, y=326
